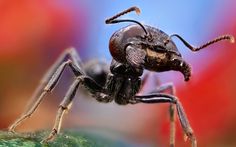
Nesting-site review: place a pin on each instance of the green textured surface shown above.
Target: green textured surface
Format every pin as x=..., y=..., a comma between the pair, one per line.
x=64, y=139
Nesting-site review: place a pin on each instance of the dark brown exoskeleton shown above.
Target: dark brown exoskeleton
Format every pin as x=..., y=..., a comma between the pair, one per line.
x=134, y=48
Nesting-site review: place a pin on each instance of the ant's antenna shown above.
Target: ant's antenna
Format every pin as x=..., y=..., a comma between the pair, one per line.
x=220, y=38
x=114, y=20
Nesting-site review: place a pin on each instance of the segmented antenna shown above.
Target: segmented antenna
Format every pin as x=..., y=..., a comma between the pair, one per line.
x=136, y=9
x=220, y=38
x=114, y=20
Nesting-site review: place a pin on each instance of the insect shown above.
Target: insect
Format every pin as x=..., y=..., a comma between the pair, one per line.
x=134, y=48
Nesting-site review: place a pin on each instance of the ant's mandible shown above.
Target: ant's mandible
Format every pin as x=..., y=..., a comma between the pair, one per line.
x=133, y=48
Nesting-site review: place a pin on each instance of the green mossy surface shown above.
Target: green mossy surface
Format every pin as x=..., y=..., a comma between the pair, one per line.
x=64, y=139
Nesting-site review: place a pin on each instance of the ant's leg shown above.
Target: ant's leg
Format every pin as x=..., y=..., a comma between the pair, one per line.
x=52, y=77
x=68, y=53
x=66, y=103
x=163, y=88
x=63, y=107
x=166, y=98
x=48, y=88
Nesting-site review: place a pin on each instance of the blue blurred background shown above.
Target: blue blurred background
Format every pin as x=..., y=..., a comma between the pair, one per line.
x=34, y=33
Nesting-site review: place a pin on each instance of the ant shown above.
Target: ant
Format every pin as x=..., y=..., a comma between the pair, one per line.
x=133, y=48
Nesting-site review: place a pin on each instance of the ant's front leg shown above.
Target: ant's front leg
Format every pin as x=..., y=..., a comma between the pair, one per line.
x=166, y=98
x=49, y=81
x=169, y=87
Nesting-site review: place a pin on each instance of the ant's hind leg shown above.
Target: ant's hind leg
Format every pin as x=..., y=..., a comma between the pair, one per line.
x=49, y=81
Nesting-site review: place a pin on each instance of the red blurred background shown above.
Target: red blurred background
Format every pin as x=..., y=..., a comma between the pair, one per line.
x=34, y=33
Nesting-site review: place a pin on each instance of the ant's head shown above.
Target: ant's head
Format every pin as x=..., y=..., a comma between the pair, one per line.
x=162, y=53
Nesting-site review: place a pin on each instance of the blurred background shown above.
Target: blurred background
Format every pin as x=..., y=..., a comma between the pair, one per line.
x=34, y=33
